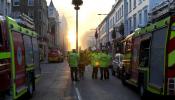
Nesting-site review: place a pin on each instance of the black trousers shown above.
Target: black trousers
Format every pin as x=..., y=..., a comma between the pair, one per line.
x=74, y=72
x=81, y=69
x=104, y=73
x=95, y=73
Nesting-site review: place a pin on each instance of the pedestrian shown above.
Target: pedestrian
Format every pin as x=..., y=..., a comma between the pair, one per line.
x=73, y=63
x=108, y=62
x=82, y=64
x=95, y=64
x=105, y=60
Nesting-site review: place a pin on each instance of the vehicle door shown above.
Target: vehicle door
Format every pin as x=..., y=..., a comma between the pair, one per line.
x=19, y=62
x=157, y=57
x=4, y=58
x=36, y=57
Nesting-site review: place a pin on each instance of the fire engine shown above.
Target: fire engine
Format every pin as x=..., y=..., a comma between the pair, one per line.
x=149, y=55
x=19, y=59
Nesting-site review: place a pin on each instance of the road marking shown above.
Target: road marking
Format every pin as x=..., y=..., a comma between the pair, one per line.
x=77, y=91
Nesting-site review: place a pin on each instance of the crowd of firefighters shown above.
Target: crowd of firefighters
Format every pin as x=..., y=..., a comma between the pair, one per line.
x=99, y=60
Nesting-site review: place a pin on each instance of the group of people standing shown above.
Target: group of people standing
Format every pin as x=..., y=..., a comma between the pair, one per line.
x=100, y=60
x=97, y=59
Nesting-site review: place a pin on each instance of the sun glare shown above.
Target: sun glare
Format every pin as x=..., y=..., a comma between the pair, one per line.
x=72, y=39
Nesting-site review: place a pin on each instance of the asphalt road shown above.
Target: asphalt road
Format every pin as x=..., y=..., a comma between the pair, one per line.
x=55, y=84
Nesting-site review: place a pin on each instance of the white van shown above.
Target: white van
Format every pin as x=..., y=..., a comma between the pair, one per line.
x=117, y=64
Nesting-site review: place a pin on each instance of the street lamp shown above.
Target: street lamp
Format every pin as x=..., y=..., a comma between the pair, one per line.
x=102, y=14
x=77, y=3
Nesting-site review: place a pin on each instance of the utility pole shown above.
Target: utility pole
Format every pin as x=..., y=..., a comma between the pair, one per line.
x=77, y=3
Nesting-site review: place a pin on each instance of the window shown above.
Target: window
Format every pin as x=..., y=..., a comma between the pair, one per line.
x=122, y=11
x=127, y=7
x=116, y=17
x=130, y=6
x=157, y=61
x=28, y=50
x=1, y=41
x=140, y=18
x=144, y=53
x=134, y=21
x=118, y=14
x=31, y=14
x=129, y=24
x=30, y=2
x=113, y=20
x=134, y=4
x=140, y=1
x=16, y=2
x=145, y=16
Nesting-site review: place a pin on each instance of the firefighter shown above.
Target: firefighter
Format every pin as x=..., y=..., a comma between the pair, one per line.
x=95, y=64
x=82, y=64
x=108, y=64
x=73, y=63
x=105, y=60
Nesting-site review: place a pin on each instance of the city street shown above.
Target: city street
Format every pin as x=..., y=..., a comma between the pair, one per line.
x=134, y=38
x=55, y=84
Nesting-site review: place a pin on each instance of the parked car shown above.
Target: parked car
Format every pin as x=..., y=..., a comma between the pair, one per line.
x=117, y=65
x=61, y=57
x=55, y=55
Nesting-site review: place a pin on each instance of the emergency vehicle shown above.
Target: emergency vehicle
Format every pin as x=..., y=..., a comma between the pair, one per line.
x=19, y=59
x=149, y=56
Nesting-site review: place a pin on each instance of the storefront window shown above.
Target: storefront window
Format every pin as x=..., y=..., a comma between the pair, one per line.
x=1, y=41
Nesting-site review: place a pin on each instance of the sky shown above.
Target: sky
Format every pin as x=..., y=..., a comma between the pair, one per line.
x=88, y=18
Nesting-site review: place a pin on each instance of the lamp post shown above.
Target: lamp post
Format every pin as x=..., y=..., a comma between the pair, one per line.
x=102, y=14
x=77, y=3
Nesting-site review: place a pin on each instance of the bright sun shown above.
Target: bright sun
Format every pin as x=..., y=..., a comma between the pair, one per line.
x=72, y=39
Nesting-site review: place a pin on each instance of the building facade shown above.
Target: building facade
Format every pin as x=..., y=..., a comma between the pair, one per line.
x=54, y=25
x=5, y=7
x=153, y=3
x=125, y=17
x=137, y=14
x=103, y=33
x=112, y=22
x=116, y=19
x=38, y=11
x=64, y=33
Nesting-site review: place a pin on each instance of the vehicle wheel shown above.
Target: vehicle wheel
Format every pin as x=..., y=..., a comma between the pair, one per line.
x=113, y=72
x=118, y=74
x=30, y=90
x=31, y=86
x=123, y=79
x=142, y=91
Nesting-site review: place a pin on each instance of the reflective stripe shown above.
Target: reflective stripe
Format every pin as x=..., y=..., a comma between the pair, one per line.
x=172, y=35
x=29, y=68
x=153, y=89
x=171, y=59
x=22, y=92
x=4, y=55
x=171, y=46
x=127, y=56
